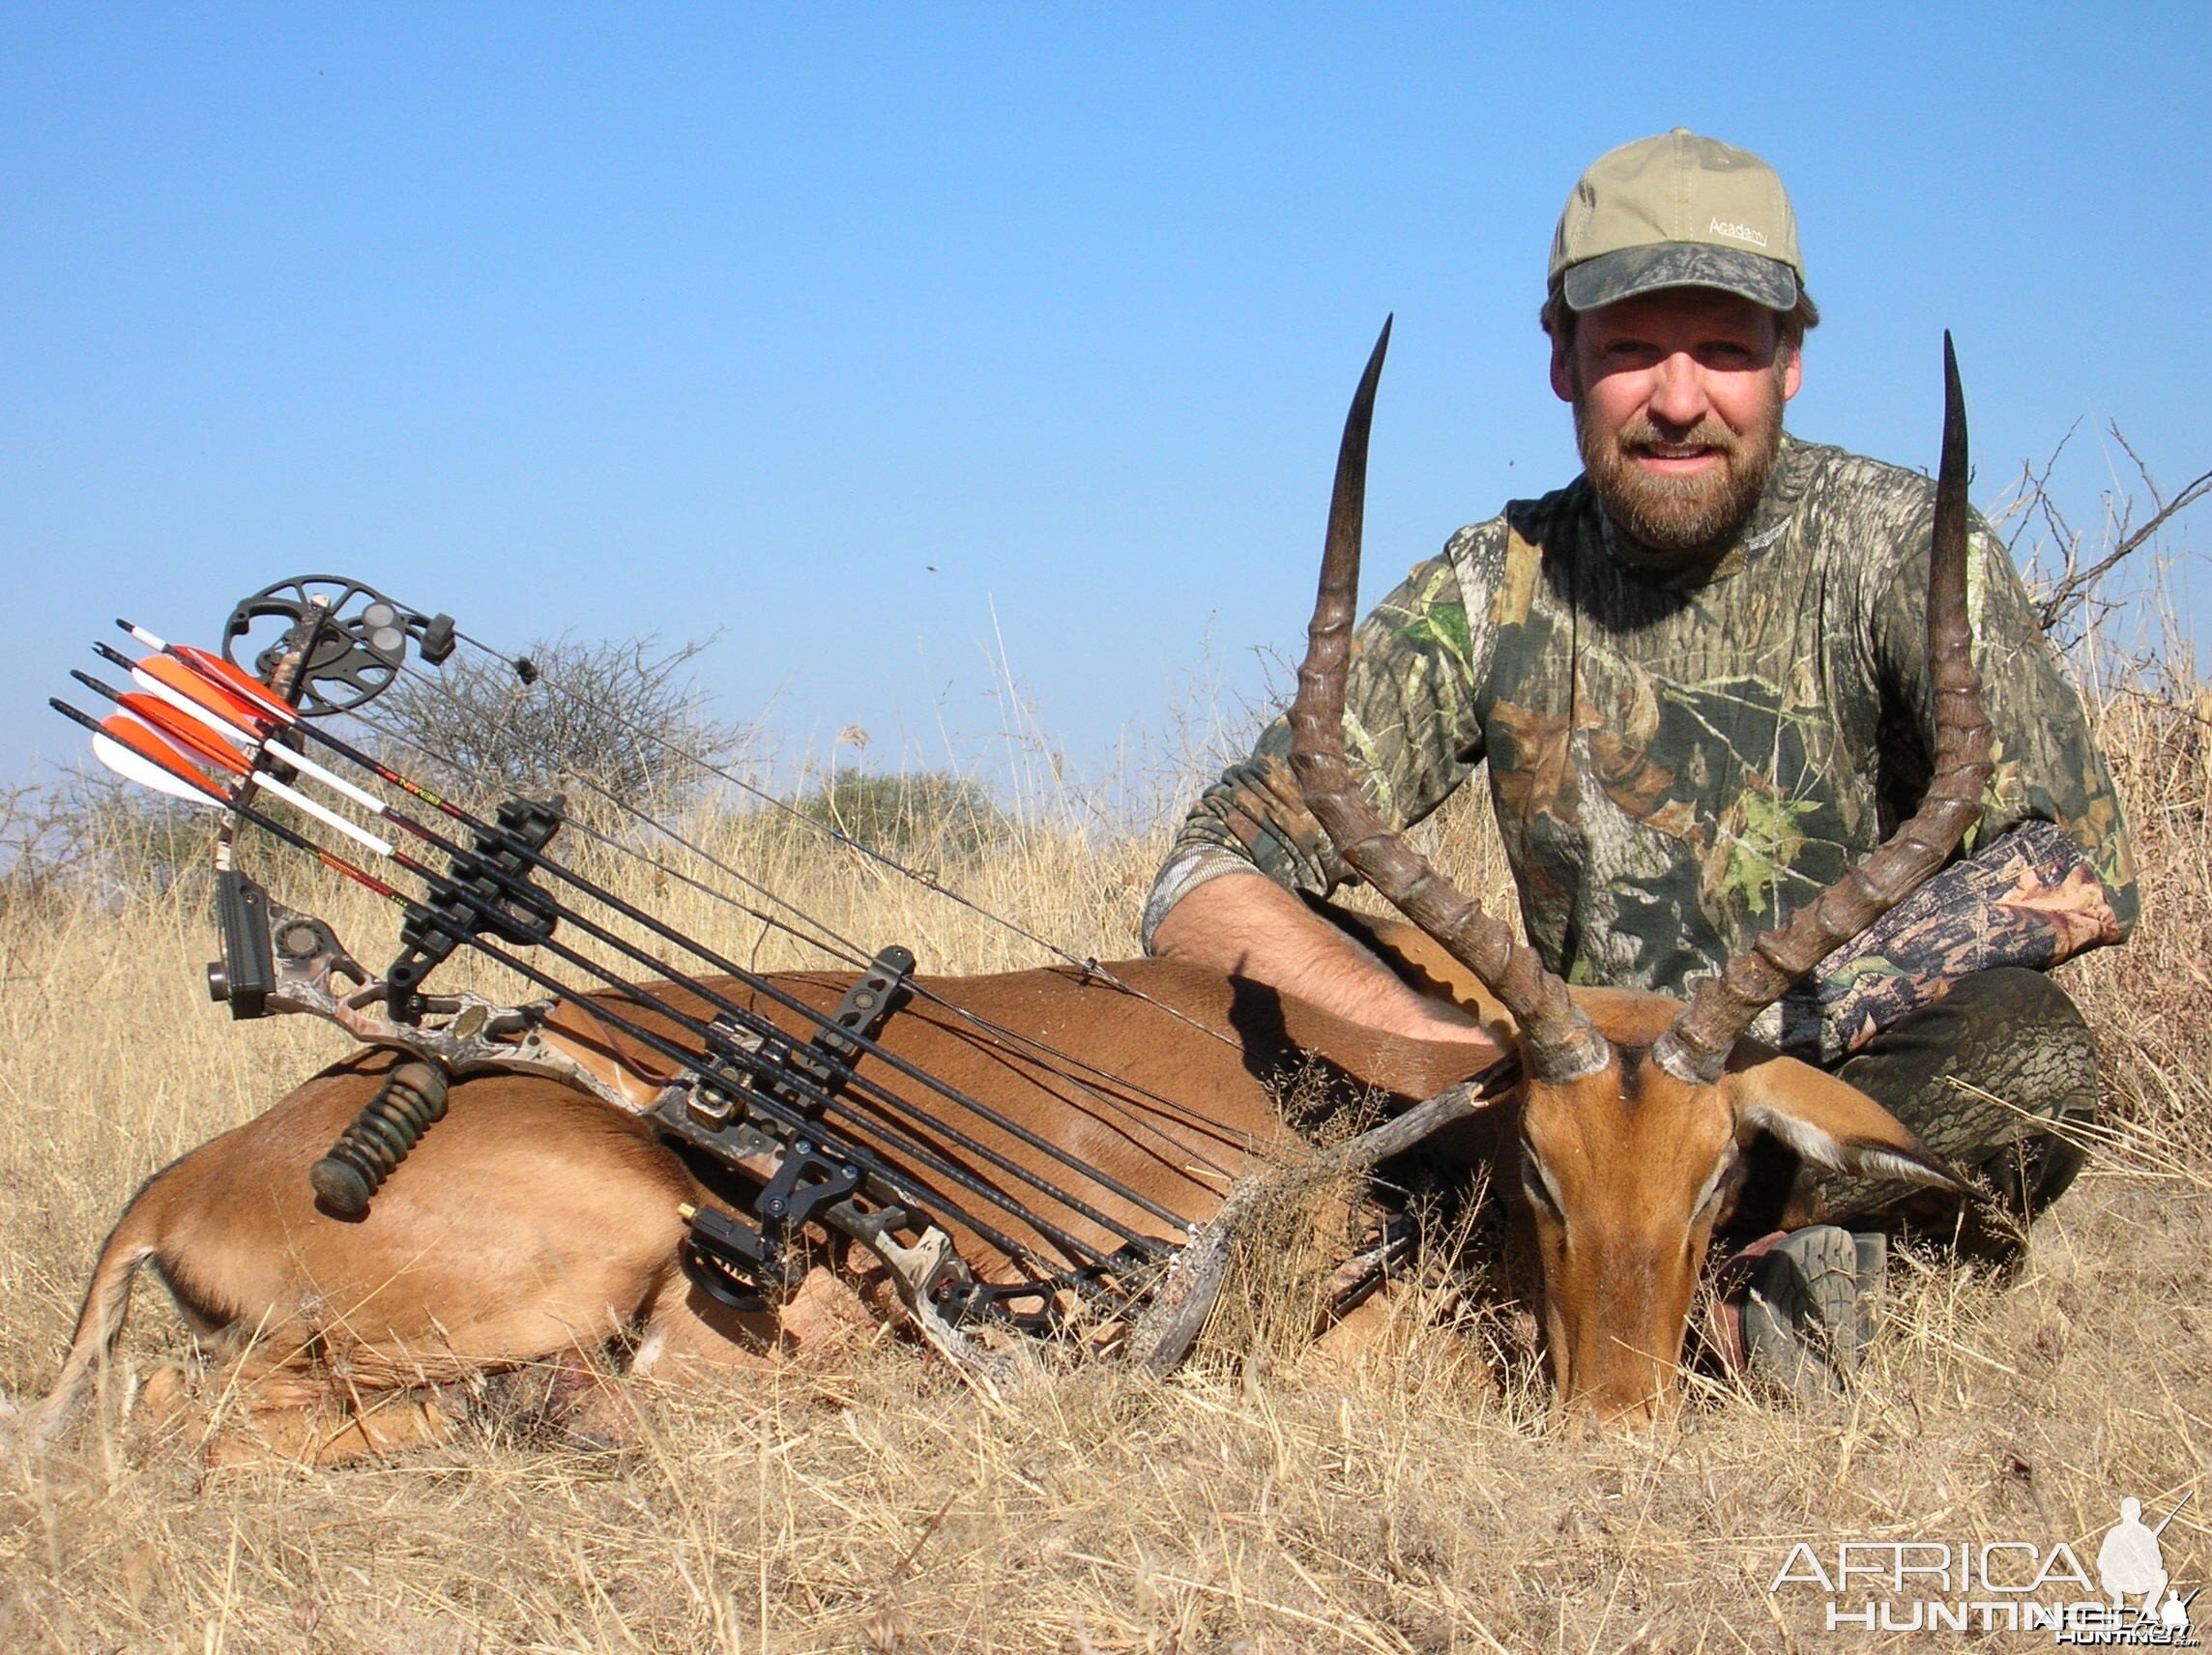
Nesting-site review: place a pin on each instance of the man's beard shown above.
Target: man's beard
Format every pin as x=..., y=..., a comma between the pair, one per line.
x=1680, y=514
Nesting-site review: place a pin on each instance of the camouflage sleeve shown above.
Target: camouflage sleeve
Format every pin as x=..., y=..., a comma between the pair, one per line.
x=2047, y=766
x=1411, y=728
x=2027, y=898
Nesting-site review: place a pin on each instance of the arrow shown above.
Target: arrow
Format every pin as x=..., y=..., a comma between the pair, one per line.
x=158, y=732
x=187, y=736
x=138, y=754
x=179, y=685
x=174, y=682
x=215, y=668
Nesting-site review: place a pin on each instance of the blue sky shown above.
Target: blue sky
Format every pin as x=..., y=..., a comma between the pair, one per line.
x=862, y=334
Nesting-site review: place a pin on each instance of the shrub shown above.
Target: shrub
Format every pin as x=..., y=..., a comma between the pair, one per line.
x=621, y=715
x=933, y=814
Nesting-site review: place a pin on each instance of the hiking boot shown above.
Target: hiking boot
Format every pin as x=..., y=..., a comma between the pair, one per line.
x=1805, y=1319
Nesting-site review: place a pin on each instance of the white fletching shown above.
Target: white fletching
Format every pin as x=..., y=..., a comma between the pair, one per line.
x=143, y=771
x=154, y=686
x=133, y=766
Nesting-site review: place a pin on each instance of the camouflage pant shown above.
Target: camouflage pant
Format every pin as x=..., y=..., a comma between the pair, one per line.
x=1976, y=1075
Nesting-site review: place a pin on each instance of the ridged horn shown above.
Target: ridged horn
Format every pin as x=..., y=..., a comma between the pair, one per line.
x=1561, y=1041
x=1698, y=1045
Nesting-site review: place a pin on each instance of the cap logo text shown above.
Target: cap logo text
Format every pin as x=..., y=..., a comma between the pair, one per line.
x=1737, y=232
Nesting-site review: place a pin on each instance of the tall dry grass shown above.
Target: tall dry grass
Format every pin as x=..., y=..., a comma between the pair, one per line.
x=1275, y=1496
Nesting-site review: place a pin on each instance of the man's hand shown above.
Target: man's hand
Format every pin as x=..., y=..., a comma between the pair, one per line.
x=1247, y=925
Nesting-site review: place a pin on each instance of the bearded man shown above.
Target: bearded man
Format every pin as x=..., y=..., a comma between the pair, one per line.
x=1698, y=679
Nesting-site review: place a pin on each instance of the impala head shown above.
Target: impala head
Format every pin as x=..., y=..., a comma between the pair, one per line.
x=1627, y=1170
x=1632, y=1135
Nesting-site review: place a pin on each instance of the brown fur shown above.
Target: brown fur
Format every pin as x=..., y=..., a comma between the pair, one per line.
x=534, y=1224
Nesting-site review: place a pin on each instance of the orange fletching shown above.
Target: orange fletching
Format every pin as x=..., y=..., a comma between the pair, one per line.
x=245, y=686
x=186, y=732
x=172, y=674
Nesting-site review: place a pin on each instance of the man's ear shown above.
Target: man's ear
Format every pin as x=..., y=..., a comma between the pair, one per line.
x=1793, y=372
x=1831, y=1124
x=1562, y=371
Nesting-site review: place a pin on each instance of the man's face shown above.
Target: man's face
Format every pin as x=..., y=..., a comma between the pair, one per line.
x=1678, y=397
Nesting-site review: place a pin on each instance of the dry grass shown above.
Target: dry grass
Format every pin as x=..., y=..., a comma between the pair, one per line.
x=1271, y=1498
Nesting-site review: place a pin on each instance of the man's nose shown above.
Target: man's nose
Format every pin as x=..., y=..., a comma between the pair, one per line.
x=1678, y=391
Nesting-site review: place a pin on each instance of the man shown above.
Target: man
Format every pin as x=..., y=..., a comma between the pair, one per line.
x=1698, y=679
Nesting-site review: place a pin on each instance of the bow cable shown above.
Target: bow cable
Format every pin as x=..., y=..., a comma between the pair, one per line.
x=1090, y=966
x=847, y=952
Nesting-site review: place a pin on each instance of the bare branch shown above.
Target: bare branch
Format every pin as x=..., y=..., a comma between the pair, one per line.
x=2035, y=486
x=2069, y=592
x=582, y=713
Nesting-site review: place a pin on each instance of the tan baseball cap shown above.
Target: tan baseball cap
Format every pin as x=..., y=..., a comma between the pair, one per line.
x=1677, y=211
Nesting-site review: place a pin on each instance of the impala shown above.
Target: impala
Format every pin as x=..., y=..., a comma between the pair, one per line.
x=537, y=1223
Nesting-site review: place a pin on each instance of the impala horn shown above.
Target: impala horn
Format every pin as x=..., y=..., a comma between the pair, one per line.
x=1695, y=1048
x=1561, y=1041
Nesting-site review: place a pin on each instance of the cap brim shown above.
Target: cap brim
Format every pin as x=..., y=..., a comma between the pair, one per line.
x=1610, y=278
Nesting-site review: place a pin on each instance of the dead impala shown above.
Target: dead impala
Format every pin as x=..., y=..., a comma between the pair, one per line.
x=698, y=1168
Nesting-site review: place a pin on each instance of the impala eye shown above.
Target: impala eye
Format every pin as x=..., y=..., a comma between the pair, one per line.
x=1728, y=1179
x=1536, y=1185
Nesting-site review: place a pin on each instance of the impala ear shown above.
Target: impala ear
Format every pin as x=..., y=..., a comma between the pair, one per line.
x=1830, y=1123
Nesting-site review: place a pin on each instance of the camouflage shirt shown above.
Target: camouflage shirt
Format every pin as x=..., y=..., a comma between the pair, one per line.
x=1679, y=759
